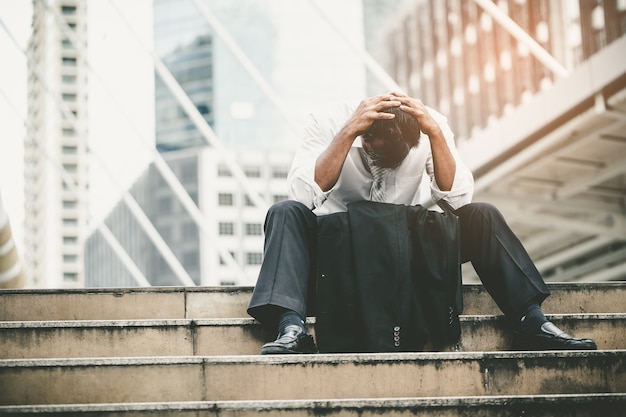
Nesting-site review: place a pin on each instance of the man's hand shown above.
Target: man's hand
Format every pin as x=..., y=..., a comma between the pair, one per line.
x=329, y=164
x=417, y=109
x=370, y=110
x=443, y=160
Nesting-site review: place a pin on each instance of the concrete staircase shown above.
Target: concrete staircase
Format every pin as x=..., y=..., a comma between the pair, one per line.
x=194, y=351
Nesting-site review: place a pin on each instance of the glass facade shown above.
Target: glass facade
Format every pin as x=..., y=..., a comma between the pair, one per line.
x=289, y=45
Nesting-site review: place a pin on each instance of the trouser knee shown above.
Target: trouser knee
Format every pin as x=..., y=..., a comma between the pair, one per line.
x=479, y=223
x=480, y=219
x=288, y=210
x=479, y=210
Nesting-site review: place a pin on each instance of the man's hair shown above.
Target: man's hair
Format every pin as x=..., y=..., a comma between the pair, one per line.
x=403, y=123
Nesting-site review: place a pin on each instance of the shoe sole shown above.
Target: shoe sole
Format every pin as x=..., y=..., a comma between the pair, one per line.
x=277, y=350
x=540, y=344
x=306, y=345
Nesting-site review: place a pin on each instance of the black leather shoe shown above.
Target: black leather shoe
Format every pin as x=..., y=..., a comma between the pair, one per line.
x=550, y=337
x=291, y=340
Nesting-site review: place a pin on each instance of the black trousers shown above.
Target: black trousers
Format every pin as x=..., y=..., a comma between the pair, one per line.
x=287, y=276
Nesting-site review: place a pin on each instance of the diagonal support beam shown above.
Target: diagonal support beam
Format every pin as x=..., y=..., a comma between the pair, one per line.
x=245, y=62
x=520, y=34
x=371, y=64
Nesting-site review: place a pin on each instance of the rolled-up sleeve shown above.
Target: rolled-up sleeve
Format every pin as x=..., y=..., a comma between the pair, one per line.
x=463, y=186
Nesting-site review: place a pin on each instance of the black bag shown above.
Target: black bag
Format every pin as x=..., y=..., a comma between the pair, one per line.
x=388, y=279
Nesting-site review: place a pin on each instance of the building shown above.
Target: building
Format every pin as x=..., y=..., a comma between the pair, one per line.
x=56, y=207
x=456, y=57
x=192, y=66
x=304, y=71
x=258, y=135
x=236, y=224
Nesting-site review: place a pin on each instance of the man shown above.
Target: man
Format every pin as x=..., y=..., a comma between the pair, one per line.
x=379, y=151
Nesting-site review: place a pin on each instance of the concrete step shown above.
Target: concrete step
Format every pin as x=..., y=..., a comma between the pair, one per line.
x=231, y=302
x=579, y=405
x=123, y=338
x=291, y=377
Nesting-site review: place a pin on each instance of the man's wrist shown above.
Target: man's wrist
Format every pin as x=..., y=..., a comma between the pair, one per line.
x=435, y=133
x=348, y=133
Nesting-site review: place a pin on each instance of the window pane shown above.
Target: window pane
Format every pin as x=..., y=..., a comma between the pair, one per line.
x=280, y=172
x=226, y=228
x=164, y=205
x=254, y=229
x=254, y=258
x=223, y=171
x=252, y=171
x=279, y=197
x=68, y=10
x=225, y=199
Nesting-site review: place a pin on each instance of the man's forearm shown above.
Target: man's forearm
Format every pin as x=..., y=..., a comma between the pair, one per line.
x=443, y=161
x=330, y=162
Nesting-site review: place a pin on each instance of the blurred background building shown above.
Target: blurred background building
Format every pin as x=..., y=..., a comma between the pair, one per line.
x=256, y=134
x=535, y=92
x=237, y=224
x=55, y=148
x=457, y=57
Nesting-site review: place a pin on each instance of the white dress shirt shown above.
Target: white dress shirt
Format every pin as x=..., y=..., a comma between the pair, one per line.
x=402, y=184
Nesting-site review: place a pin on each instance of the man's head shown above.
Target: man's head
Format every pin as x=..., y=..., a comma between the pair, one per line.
x=387, y=142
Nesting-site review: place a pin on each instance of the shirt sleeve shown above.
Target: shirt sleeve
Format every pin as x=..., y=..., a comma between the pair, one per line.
x=463, y=186
x=301, y=178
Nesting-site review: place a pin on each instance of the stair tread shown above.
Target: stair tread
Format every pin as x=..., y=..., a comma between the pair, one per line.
x=248, y=289
x=326, y=403
x=208, y=302
x=240, y=321
x=239, y=336
x=325, y=358
x=312, y=377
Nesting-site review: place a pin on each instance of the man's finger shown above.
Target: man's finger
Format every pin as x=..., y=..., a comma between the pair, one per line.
x=383, y=115
x=398, y=94
x=388, y=103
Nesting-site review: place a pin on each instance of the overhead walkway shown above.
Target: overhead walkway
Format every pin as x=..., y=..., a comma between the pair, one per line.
x=556, y=167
